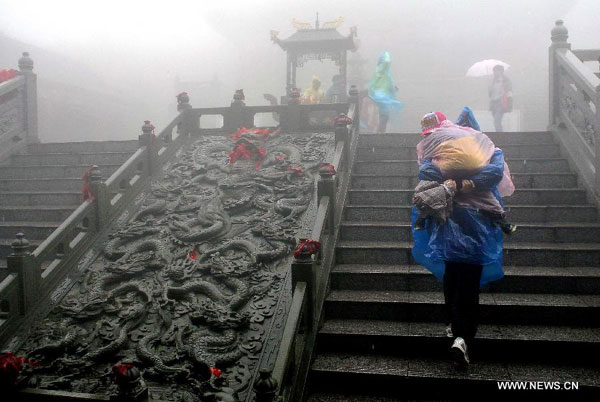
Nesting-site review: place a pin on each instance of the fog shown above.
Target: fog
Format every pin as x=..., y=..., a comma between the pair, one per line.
x=105, y=66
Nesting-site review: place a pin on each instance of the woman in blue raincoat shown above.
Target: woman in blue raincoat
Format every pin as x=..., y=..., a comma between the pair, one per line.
x=466, y=251
x=383, y=91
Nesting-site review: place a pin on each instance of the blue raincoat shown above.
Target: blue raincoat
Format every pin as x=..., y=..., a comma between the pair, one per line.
x=468, y=236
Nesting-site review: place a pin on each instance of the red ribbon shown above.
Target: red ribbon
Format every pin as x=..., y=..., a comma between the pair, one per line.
x=307, y=247
x=86, y=189
x=297, y=170
x=245, y=151
x=342, y=118
x=215, y=371
x=9, y=74
x=10, y=365
x=122, y=370
x=328, y=167
x=262, y=133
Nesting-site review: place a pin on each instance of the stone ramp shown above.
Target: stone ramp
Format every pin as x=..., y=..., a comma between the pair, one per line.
x=383, y=337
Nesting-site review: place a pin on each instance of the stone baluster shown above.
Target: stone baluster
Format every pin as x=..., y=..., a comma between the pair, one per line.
x=147, y=139
x=559, y=36
x=189, y=123
x=100, y=193
x=265, y=387
x=326, y=187
x=303, y=270
x=22, y=262
x=238, y=115
x=26, y=71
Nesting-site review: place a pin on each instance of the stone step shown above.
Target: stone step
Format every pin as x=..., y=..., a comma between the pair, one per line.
x=410, y=166
x=36, y=213
x=526, y=232
x=412, y=139
x=501, y=343
x=516, y=213
x=387, y=378
x=573, y=280
x=32, y=230
x=73, y=183
x=410, y=181
x=32, y=198
x=517, y=254
x=83, y=146
x=523, y=196
x=92, y=158
x=547, y=150
x=494, y=308
x=52, y=171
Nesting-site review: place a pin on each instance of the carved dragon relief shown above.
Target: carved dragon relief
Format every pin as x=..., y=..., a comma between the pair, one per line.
x=188, y=282
x=580, y=114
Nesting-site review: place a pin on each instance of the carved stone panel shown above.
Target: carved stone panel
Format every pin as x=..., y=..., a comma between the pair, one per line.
x=190, y=282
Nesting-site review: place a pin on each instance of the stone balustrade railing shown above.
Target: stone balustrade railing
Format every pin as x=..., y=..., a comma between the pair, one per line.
x=575, y=106
x=310, y=274
x=18, y=110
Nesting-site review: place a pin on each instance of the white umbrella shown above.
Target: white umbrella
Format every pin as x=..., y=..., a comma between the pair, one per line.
x=485, y=67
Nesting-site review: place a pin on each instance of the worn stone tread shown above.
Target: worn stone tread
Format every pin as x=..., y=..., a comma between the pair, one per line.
x=437, y=368
x=508, y=271
x=507, y=246
x=498, y=299
x=485, y=331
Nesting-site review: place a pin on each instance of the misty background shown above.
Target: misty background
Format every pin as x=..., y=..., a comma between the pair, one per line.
x=104, y=67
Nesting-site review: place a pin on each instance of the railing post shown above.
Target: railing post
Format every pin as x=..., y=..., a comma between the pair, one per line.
x=189, y=124
x=22, y=262
x=326, y=187
x=597, y=141
x=265, y=387
x=99, y=191
x=238, y=115
x=26, y=70
x=353, y=95
x=290, y=118
x=146, y=139
x=559, y=36
x=303, y=271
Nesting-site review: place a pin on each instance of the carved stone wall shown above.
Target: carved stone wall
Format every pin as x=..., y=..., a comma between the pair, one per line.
x=192, y=280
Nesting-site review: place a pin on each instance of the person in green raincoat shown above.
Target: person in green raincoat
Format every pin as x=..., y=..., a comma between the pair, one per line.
x=383, y=91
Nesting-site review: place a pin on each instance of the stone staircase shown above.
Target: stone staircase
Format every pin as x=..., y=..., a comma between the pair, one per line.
x=383, y=335
x=42, y=187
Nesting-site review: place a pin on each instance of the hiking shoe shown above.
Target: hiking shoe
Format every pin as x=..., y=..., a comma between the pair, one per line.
x=449, y=331
x=459, y=354
x=509, y=228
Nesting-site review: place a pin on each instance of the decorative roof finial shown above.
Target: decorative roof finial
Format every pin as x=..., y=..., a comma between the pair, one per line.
x=317, y=22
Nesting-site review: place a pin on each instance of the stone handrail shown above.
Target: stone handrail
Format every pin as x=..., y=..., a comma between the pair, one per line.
x=18, y=110
x=310, y=274
x=10, y=309
x=575, y=106
x=292, y=118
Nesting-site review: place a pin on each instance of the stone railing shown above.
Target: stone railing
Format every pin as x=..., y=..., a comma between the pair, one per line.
x=18, y=110
x=310, y=273
x=575, y=106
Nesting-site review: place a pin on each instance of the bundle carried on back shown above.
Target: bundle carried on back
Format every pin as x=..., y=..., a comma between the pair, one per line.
x=459, y=153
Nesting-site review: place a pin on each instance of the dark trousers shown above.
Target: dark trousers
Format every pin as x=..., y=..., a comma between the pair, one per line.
x=383, y=121
x=461, y=295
